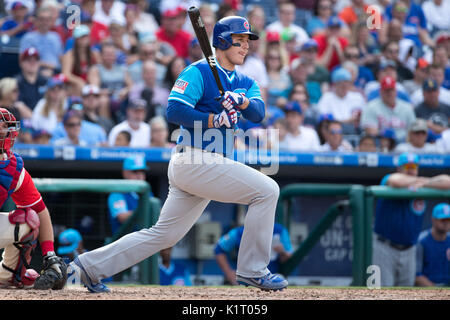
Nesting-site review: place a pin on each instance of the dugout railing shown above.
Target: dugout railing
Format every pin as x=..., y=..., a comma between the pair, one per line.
x=145, y=215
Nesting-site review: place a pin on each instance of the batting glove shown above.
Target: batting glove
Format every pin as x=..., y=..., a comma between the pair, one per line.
x=225, y=118
x=232, y=100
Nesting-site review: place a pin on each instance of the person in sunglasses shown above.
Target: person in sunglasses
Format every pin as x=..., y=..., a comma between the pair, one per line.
x=335, y=140
x=72, y=126
x=398, y=222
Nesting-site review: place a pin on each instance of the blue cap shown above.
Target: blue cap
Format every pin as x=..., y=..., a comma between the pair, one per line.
x=70, y=114
x=68, y=241
x=81, y=31
x=405, y=158
x=388, y=133
x=293, y=106
x=334, y=21
x=326, y=116
x=311, y=43
x=429, y=85
x=441, y=211
x=135, y=163
x=341, y=74
x=54, y=82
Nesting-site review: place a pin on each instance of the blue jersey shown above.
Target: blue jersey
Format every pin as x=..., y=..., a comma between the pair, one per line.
x=232, y=240
x=175, y=274
x=433, y=258
x=399, y=220
x=196, y=88
x=119, y=203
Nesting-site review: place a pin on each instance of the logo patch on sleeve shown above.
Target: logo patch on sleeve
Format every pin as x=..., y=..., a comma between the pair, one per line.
x=180, y=86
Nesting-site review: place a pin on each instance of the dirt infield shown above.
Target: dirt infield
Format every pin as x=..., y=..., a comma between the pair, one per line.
x=226, y=293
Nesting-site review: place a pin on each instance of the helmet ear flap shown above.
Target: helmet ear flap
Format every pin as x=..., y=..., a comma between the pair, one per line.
x=224, y=43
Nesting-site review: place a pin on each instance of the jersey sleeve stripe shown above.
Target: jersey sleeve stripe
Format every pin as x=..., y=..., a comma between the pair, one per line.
x=181, y=100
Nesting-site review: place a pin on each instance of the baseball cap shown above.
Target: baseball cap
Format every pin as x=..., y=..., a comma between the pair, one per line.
x=70, y=114
x=406, y=158
x=40, y=132
x=17, y=5
x=388, y=83
x=340, y=74
x=272, y=36
x=422, y=63
x=429, y=85
x=133, y=163
x=293, y=106
x=441, y=211
x=387, y=64
x=90, y=89
x=419, y=125
x=326, y=117
x=29, y=53
x=81, y=31
x=137, y=104
x=388, y=133
x=68, y=241
x=334, y=21
x=311, y=43
x=53, y=82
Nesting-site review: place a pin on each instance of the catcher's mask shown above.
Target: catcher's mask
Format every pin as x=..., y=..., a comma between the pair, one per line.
x=9, y=129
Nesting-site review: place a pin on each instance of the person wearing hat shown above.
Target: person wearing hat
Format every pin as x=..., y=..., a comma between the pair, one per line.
x=417, y=139
x=431, y=109
x=344, y=104
x=388, y=111
x=421, y=72
x=433, y=250
x=437, y=73
x=331, y=44
x=72, y=127
x=70, y=245
x=398, y=222
x=387, y=140
x=19, y=22
x=122, y=205
x=298, y=137
x=135, y=124
x=90, y=95
x=320, y=74
x=334, y=139
x=441, y=57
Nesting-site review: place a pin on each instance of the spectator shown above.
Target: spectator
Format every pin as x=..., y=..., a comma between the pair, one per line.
x=124, y=41
x=172, y=273
x=437, y=74
x=436, y=13
x=364, y=74
x=367, y=143
x=26, y=132
x=353, y=13
x=122, y=205
x=72, y=127
x=148, y=50
x=123, y=139
x=209, y=18
x=319, y=74
x=385, y=68
x=160, y=133
x=279, y=82
x=432, y=261
x=281, y=250
x=109, y=10
x=9, y=99
x=441, y=57
x=48, y=43
x=345, y=105
x=299, y=137
x=331, y=45
x=113, y=80
x=286, y=16
x=174, y=68
x=70, y=245
x=51, y=108
x=299, y=70
x=19, y=23
x=417, y=137
x=367, y=45
x=420, y=74
x=388, y=112
x=334, y=139
x=388, y=140
x=444, y=141
x=300, y=95
x=431, y=109
x=91, y=105
x=42, y=137
x=154, y=95
x=257, y=19
x=322, y=12
x=391, y=52
x=277, y=139
x=195, y=51
x=134, y=123
x=144, y=22
x=322, y=126
x=398, y=223
x=171, y=31
x=30, y=82
x=77, y=60
x=99, y=31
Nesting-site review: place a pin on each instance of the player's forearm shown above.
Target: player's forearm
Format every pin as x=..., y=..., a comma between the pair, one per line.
x=181, y=114
x=441, y=181
x=45, y=231
x=255, y=110
x=423, y=281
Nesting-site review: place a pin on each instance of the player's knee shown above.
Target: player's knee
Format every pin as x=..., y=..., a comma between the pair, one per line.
x=271, y=190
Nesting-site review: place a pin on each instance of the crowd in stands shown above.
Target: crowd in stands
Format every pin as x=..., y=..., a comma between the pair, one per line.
x=336, y=75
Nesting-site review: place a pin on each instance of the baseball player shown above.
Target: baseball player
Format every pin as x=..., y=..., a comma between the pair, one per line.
x=398, y=223
x=197, y=174
x=20, y=229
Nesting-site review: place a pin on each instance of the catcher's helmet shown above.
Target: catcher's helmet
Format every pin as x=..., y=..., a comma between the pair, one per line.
x=227, y=26
x=9, y=129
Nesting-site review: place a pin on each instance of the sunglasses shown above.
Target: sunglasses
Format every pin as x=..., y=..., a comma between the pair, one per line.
x=73, y=124
x=410, y=166
x=335, y=131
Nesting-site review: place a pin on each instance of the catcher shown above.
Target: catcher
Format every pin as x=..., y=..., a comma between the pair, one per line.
x=20, y=229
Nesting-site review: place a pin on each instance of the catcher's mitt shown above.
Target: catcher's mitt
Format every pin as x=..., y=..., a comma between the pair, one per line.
x=53, y=274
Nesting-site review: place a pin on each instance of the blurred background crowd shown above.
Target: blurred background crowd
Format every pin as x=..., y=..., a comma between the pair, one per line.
x=336, y=75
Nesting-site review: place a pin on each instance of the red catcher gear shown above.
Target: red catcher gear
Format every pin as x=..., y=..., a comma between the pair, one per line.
x=9, y=130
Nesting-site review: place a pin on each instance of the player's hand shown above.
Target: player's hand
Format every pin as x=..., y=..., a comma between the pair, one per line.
x=225, y=118
x=232, y=100
x=53, y=274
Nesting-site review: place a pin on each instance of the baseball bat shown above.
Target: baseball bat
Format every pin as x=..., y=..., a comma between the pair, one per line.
x=200, y=32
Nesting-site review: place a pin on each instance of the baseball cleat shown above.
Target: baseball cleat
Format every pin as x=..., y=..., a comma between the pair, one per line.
x=77, y=274
x=268, y=282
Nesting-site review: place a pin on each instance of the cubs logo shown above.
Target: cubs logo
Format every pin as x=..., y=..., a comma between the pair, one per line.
x=246, y=25
x=418, y=206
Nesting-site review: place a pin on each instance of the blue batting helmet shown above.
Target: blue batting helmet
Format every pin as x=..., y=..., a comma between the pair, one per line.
x=227, y=26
